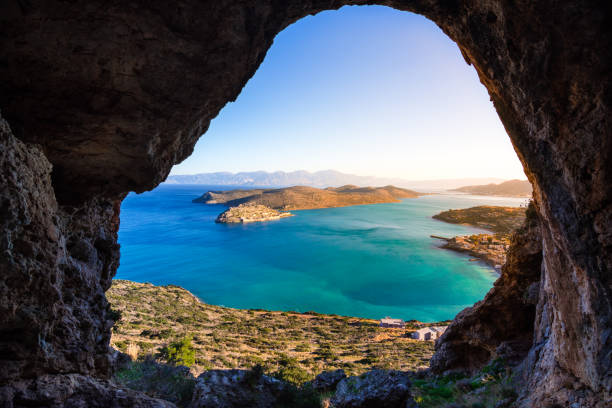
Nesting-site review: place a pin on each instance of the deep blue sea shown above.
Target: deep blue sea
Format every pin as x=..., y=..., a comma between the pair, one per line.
x=367, y=260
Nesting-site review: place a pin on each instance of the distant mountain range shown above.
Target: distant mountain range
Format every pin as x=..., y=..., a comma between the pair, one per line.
x=511, y=188
x=326, y=178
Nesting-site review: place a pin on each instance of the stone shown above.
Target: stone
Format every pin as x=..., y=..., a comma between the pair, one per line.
x=74, y=391
x=327, y=380
x=374, y=389
x=53, y=313
x=236, y=389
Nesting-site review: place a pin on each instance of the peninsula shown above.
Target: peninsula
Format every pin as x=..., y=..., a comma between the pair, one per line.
x=511, y=188
x=305, y=198
x=491, y=248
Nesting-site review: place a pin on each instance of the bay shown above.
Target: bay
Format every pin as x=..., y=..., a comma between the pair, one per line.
x=368, y=260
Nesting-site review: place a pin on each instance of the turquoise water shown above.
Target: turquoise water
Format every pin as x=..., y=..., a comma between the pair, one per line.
x=368, y=261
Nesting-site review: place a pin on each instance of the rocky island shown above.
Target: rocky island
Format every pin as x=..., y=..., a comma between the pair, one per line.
x=306, y=198
x=491, y=248
x=248, y=212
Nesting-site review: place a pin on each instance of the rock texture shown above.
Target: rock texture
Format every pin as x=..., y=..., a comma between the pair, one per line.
x=56, y=263
x=374, y=389
x=115, y=93
x=73, y=391
x=236, y=389
x=245, y=213
x=501, y=325
x=327, y=380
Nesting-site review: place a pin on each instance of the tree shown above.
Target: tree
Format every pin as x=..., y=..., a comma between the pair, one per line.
x=180, y=352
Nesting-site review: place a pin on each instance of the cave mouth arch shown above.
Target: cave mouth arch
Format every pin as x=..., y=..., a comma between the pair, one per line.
x=100, y=106
x=294, y=110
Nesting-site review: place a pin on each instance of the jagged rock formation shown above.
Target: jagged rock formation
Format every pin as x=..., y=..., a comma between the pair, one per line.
x=236, y=389
x=327, y=380
x=115, y=94
x=74, y=390
x=501, y=325
x=56, y=263
x=376, y=388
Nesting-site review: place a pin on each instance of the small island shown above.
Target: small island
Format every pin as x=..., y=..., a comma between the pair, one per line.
x=244, y=213
x=491, y=248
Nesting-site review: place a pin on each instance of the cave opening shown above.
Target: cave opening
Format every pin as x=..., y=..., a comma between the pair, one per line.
x=335, y=90
x=122, y=93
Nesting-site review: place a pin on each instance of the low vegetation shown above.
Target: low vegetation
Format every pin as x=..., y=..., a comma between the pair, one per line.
x=491, y=248
x=492, y=387
x=500, y=220
x=166, y=329
x=173, y=326
x=510, y=188
x=303, y=198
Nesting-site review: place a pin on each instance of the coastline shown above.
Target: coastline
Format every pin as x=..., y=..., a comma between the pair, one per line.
x=450, y=244
x=228, y=338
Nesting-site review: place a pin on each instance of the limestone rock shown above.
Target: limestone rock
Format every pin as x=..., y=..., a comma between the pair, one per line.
x=73, y=391
x=236, y=389
x=328, y=380
x=374, y=389
x=55, y=264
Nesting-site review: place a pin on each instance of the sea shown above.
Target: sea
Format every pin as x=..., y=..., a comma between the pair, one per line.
x=367, y=261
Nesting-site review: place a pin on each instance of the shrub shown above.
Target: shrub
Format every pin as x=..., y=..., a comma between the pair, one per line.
x=179, y=352
x=291, y=371
x=121, y=345
x=302, y=348
x=158, y=381
x=295, y=397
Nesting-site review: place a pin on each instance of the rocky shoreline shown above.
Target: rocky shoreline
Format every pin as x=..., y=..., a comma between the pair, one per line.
x=490, y=248
x=478, y=246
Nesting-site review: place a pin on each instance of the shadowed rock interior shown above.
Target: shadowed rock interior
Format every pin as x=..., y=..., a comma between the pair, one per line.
x=103, y=99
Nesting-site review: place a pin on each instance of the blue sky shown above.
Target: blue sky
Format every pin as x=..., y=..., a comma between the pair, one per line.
x=366, y=90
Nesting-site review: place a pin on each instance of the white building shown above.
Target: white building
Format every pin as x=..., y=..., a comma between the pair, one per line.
x=393, y=323
x=428, y=333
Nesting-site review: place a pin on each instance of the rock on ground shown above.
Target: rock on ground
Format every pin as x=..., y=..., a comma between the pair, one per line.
x=327, y=380
x=374, y=389
x=74, y=391
x=236, y=389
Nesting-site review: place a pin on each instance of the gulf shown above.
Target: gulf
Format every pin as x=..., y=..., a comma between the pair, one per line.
x=368, y=261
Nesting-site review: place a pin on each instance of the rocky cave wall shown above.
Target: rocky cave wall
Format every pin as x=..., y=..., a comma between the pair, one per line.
x=103, y=98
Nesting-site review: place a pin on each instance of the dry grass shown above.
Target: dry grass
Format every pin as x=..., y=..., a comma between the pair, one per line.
x=152, y=316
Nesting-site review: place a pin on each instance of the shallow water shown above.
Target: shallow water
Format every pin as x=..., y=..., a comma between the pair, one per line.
x=368, y=261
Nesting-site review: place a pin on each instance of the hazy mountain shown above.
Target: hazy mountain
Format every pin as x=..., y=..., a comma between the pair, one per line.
x=326, y=178
x=514, y=188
